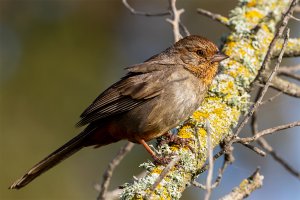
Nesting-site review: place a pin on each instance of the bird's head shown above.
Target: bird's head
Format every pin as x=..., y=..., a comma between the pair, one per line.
x=200, y=56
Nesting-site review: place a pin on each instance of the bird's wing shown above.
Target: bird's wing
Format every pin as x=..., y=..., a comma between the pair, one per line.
x=143, y=82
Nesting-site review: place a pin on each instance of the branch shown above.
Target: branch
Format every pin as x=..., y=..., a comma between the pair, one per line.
x=177, y=25
x=275, y=129
x=163, y=174
x=217, y=17
x=258, y=136
x=226, y=100
x=289, y=69
x=205, y=166
x=290, y=72
x=266, y=87
x=246, y=187
x=279, y=159
x=265, y=132
x=134, y=12
x=227, y=149
x=286, y=17
x=291, y=75
x=265, y=145
x=285, y=86
x=271, y=98
x=282, y=85
x=210, y=162
x=292, y=50
x=295, y=18
x=175, y=21
x=297, y=9
x=110, y=169
x=255, y=149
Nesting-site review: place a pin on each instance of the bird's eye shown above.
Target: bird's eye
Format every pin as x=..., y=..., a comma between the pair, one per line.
x=200, y=53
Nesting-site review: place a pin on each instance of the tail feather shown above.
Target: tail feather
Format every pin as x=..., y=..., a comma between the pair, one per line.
x=53, y=159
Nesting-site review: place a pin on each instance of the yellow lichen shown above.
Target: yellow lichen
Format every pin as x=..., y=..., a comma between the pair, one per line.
x=174, y=148
x=230, y=85
x=235, y=113
x=212, y=99
x=227, y=97
x=240, y=70
x=198, y=115
x=166, y=195
x=185, y=132
x=231, y=44
x=157, y=170
x=251, y=3
x=244, y=183
x=253, y=16
x=265, y=28
x=228, y=89
x=219, y=111
x=243, y=71
x=202, y=132
x=224, y=19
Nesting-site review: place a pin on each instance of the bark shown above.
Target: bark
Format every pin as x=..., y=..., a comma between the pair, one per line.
x=252, y=30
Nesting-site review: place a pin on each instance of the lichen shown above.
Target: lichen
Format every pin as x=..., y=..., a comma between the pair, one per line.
x=293, y=45
x=226, y=100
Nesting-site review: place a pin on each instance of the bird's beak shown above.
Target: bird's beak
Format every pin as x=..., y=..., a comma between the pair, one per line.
x=218, y=57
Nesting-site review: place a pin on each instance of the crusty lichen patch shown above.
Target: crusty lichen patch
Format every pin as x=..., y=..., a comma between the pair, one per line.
x=293, y=46
x=252, y=31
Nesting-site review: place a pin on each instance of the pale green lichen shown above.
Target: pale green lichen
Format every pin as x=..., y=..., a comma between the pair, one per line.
x=224, y=20
x=293, y=47
x=225, y=102
x=148, y=165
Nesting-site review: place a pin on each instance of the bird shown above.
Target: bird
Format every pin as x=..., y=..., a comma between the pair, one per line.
x=152, y=98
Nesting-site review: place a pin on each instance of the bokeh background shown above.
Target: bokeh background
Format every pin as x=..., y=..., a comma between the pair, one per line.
x=56, y=56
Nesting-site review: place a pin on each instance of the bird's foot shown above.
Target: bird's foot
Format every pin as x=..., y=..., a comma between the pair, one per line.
x=170, y=138
x=163, y=160
x=157, y=159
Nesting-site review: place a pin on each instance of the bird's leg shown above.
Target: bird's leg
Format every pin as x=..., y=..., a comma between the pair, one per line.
x=157, y=159
x=142, y=142
x=170, y=138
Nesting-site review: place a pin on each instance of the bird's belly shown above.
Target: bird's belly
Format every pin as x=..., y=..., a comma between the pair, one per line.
x=155, y=117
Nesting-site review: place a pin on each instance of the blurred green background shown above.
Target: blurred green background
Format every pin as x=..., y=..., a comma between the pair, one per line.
x=57, y=56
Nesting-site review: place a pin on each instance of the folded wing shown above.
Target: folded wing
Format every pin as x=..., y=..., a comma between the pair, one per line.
x=142, y=83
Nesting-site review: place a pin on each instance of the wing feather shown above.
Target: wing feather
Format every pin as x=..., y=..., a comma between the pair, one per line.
x=143, y=82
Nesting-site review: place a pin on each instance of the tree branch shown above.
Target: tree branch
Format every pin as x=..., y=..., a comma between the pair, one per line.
x=135, y=12
x=177, y=25
x=110, y=169
x=246, y=187
x=217, y=17
x=292, y=50
x=175, y=20
x=290, y=72
x=210, y=162
x=163, y=174
x=286, y=17
x=285, y=86
x=297, y=9
x=265, y=132
x=265, y=145
x=289, y=69
x=266, y=87
x=224, y=103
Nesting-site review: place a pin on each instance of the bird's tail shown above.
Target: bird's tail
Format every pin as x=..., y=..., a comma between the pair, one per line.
x=54, y=158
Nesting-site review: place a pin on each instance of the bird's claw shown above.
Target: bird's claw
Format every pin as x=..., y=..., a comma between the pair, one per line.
x=163, y=160
x=170, y=138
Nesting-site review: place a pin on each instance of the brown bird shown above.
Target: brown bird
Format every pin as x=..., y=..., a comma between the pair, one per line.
x=152, y=98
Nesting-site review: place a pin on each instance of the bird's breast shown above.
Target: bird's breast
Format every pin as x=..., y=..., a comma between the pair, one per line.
x=180, y=97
